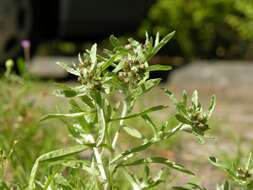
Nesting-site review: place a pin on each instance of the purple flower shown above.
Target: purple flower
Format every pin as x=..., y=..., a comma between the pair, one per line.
x=25, y=44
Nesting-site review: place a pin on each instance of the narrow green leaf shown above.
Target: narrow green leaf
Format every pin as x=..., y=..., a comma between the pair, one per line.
x=211, y=106
x=93, y=54
x=173, y=131
x=132, y=151
x=68, y=68
x=114, y=41
x=149, y=110
x=71, y=163
x=103, y=127
x=119, y=66
x=133, y=42
x=74, y=106
x=181, y=108
x=157, y=39
x=217, y=163
x=60, y=115
x=196, y=186
x=69, y=92
x=97, y=97
x=159, y=68
x=195, y=98
x=107, y=63
x=183, y=119
x=145, y=87
x=108, y=112
x=147, y=38
x=87, y=100
x=226, y=186
x=165, y=40
x=133, y=132
x=248, y=165
x=170, y=95
x=181, y=188
x=116, y=83
x=184, y=101
x=65, y=93
x=150, y=123
x=158, y=160
x=53, y=156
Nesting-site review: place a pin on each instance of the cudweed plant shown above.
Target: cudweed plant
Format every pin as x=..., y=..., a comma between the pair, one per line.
x=241, y=176
x=96, y=121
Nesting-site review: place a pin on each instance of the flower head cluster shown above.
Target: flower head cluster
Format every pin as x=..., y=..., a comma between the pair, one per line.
x=198, y=119
x=125, y=66
x=193, y=118
x=132, y=72
x=243, y=174
x=89, y=73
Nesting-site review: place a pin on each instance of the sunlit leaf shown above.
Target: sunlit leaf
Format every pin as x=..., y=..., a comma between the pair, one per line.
x=159, y=68
x=69, y=69
x=157, y=160
x=195, y=98
x=149, y=110
x=61, y=115
x=54, y=156
x=133, y=132
x=182, y=119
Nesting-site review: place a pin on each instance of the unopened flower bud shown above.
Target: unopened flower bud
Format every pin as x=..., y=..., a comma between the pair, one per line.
x=134, y=68
x=121, y=74
x=9, y=63
x=142, y=66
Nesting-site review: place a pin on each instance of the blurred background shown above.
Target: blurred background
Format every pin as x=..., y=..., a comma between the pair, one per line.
x=217, y=29
x=212, y=51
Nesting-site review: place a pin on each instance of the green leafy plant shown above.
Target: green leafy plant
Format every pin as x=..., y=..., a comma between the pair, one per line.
x=19, y=126
x=241, y=175
x=110, y=84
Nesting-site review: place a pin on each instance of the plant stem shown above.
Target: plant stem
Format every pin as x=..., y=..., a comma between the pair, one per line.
x=121, y=122
x=99, y=163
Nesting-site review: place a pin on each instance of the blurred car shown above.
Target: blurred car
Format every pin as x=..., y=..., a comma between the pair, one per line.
x=40, y=20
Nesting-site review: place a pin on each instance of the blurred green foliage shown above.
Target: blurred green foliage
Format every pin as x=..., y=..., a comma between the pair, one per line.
x=22, y=137
x=205, y=28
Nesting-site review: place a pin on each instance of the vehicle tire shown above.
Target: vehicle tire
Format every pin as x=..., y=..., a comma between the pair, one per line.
x=16, y=18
